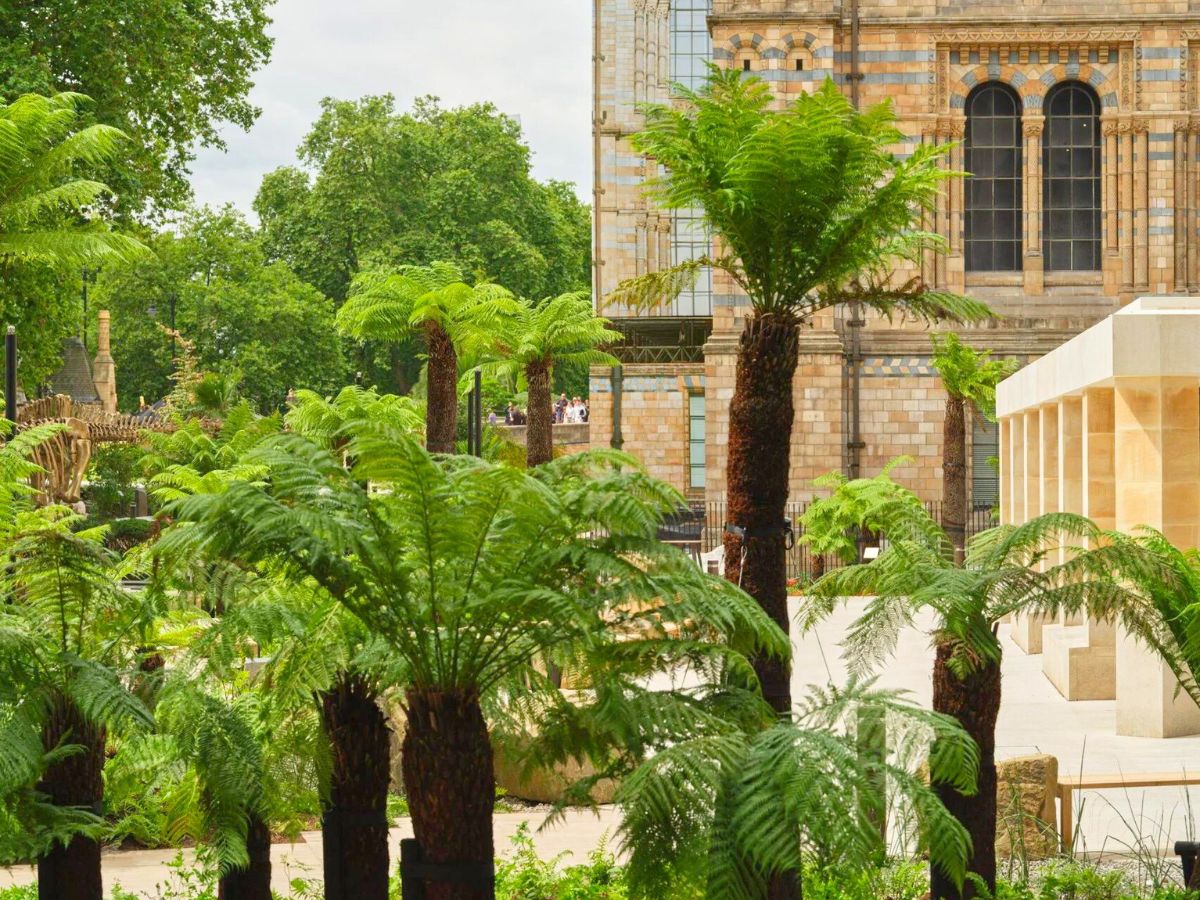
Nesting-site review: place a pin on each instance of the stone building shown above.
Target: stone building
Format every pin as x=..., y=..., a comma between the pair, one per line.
x=1079, y=119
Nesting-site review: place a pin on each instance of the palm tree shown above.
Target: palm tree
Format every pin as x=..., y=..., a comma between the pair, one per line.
x=916, y=573
x=64, y=656
x=49, y=214
x=470, y=571
x=433, y=301
x=529, y=340
x=811, y=211
x=969, y=378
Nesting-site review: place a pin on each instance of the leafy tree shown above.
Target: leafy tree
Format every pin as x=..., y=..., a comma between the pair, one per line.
x=530, y=340
x=50, y=218
x=811, y=211
x=209, y=281
x=471, y=571
x=434, y=302
x=66, y=651
x=382, y=188
x=1006, y=570
x=168, y=73
x=969, y=378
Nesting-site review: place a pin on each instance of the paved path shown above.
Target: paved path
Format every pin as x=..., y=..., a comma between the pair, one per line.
x=142, y=871
x=1033, y=719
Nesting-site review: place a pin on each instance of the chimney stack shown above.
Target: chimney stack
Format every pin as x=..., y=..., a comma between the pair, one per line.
x=103, y=368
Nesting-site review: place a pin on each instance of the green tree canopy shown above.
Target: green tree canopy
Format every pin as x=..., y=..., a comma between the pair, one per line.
x=378, y=186
x=168, y=73
x=239, y=314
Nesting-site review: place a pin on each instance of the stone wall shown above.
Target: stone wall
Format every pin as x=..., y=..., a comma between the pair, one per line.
x=569, y=437
x=654, y=415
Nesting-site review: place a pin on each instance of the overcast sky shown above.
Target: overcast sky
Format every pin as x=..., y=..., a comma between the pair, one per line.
x=532, y=58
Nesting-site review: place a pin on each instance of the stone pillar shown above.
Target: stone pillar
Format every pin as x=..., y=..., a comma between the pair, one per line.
x=1079, y=654
x=1027, y=629
x=1179, y=176
x=1141, y=189
x=1004, y=427
x=1034, y=265
x=1157, y=463
x=1126, y=177
x=1016, y=453
x=104, y=370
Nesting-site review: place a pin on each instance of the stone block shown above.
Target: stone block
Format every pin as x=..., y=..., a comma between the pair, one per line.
x=1026, y=788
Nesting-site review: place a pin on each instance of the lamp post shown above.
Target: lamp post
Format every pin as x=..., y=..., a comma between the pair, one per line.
x=10, y=374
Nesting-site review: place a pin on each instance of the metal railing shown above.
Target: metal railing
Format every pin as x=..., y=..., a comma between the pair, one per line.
x=702, y=529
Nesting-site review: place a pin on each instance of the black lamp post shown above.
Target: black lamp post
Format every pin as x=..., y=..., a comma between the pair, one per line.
x=10, y=374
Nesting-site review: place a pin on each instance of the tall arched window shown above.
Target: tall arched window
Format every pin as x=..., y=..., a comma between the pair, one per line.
x=993, y=149
x=1071, y=179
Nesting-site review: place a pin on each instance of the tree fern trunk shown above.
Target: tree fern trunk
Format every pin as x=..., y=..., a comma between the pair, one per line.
x=448, y=776
x=539, y=434
x=975, y=703
x=72, y=871
x=954, y=475
x=441, y=409
x=355, y=825
x=254, y=881
x=760, y=440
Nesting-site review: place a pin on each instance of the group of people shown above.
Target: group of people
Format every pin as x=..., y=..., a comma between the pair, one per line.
x=566, y=411
x=570, y=412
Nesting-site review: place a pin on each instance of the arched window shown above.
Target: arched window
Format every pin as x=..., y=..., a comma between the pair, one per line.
x=993, y=150
x=1071, y=179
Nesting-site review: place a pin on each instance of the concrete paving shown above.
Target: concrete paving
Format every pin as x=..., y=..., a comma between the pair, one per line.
x=1033, y=719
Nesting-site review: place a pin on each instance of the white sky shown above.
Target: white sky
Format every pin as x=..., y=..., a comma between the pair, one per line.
x=532, y=58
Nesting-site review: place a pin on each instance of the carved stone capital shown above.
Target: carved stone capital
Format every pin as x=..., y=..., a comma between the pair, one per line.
x=1110, y=127
x=1032, y=126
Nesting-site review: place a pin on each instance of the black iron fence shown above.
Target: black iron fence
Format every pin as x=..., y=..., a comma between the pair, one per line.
x=702, y=529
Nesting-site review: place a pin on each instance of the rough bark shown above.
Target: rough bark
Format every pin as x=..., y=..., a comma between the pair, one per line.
x=355, y=824
x=760, y=438
x=451, y=786
x=254, y=881
x=539, y=433
x=954, y=475
x=975, y=703
x=441, y=408
x=72, y=871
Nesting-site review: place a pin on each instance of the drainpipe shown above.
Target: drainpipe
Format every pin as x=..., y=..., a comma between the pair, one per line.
x=598, y=117
x=617, y=380
x=856, y=321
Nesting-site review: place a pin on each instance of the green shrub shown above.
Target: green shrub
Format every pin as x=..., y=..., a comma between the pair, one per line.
x=525, y=876
x=111, y=475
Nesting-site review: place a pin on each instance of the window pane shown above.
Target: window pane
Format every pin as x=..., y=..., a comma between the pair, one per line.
x=993, y=196
x=1071, y=166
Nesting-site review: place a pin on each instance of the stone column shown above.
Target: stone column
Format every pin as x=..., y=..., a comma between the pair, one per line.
x=1179, y=175
x=1027, y=629
x=1002, y=442
x=955, y=263
x=1126, y=236
x=1141, y=217
x=104, y=370
x=639, y=51
x=1016, y=453
x=1079, y=654
x=1034, y=264
x=1157, y=464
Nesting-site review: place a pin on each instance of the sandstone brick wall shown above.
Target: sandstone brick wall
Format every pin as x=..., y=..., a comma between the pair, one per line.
x=1142, y=60
x=654, y=416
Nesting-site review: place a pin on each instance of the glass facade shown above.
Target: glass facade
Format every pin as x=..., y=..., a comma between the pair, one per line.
x=691, y=50
x=696, y=465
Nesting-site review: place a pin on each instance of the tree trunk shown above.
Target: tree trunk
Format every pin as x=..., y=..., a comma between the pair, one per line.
x=254, y=881
x=975, y=703
x=448, y=776
x=539, y=433
x=954, y=475
x=760, y=440
x=355, y=824
x=441, y=407
x=72, y=871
